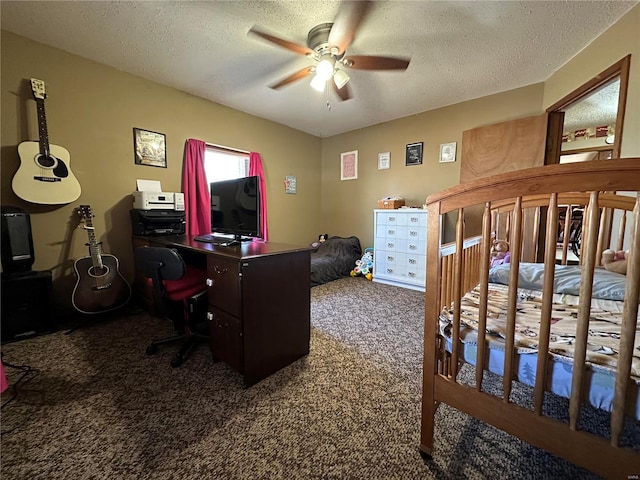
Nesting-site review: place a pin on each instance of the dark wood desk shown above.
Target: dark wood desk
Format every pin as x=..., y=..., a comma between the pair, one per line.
x=259, y=302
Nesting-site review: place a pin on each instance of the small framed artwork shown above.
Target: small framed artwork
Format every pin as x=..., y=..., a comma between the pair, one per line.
x=349, y=165
x=149, y=148
x=290, y=184
x=448, y=152
x=414, y=154
x=384, y=160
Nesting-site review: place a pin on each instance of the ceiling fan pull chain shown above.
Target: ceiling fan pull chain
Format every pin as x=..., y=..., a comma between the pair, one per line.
x=326, y=89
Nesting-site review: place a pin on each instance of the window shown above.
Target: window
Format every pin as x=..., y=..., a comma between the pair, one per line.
x=221, y=164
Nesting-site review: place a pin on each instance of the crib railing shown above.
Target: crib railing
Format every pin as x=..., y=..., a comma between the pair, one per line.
x=465, y=264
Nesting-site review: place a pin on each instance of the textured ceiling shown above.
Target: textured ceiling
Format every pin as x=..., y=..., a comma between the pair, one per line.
x=458, y=50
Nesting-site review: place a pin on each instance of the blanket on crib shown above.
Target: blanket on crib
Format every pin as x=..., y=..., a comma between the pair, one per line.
x=604, y=325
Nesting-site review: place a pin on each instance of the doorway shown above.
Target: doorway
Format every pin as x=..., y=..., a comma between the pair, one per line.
x=594, y=116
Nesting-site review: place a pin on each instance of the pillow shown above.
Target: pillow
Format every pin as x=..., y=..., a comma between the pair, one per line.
x=606, y=285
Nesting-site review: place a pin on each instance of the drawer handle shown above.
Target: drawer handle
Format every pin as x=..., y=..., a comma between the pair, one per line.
x=412, y=261
x=413, y=233
x=392, y=219
x=219, y=270
x=412, y=274
x=413, y=247
x=414, y=219
x=389, y=270
x=390, y=258
x=210, y=282
x=212, y=316
x=390, y=245
x=391, y=232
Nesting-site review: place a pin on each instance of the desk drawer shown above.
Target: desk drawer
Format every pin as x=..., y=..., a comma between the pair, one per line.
x=225, y=334
x=223, y=278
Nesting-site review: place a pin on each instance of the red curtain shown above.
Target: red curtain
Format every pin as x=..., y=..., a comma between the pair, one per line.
x=255, y=168
x=197, y=203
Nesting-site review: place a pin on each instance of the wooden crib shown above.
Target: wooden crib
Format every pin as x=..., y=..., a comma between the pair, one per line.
x=531, y=209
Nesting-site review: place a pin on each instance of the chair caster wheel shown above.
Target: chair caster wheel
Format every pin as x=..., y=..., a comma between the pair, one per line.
x=151, y=349
x=176, y=361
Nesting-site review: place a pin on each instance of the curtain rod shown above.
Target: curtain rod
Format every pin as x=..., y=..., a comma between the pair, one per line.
x=228, y=149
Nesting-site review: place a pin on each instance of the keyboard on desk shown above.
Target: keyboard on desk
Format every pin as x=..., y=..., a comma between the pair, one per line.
x=214, y=239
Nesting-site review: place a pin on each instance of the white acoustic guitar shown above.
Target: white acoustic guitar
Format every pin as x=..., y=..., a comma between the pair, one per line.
x=44, y=175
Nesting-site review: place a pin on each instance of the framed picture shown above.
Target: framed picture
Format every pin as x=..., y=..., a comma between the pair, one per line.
x=349, y=165
x=384, y=160
x=149, y=148
x=290, y=184
x=414, y=154
x=448, y=152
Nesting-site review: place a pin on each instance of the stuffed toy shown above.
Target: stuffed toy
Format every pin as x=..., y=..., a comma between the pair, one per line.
x=364, y=266
x=499, y=253
x=323, y=237
x=615, y=261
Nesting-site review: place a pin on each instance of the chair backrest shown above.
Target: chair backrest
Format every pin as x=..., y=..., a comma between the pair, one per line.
x=158, y=264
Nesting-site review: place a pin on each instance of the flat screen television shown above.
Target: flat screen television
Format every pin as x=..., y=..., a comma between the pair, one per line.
x=235, y=208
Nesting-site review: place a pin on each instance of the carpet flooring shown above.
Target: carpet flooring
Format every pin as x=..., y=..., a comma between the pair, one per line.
x=93, y=405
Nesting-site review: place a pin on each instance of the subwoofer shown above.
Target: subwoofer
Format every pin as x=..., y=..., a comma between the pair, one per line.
x=17, y=242
x=26, y=305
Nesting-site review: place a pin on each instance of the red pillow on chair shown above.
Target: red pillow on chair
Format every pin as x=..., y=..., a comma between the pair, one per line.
x=192, y=283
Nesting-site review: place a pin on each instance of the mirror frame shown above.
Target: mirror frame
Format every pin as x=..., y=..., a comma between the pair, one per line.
x=621, y=69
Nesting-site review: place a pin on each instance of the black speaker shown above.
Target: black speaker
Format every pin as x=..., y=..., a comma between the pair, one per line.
x=26, y=305
x=17, y=242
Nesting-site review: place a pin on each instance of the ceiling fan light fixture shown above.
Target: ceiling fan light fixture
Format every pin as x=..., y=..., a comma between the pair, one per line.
x=324, y=69
x=340, y=78
x=318, y=83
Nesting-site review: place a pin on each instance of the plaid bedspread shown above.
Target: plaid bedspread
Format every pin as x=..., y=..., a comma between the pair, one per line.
x=602, y=341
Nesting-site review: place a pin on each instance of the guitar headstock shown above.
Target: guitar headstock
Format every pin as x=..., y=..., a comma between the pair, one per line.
x=86, y=215
x=37, y=86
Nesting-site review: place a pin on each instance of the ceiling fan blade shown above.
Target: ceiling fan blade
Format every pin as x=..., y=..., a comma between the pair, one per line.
x=346, y=23
x=281, y=42
x=344, y=93
x=369, y=62
x=292, y=78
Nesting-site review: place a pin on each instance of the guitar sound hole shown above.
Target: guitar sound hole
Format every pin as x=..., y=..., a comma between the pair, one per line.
x=99, y=271
x=46, y=161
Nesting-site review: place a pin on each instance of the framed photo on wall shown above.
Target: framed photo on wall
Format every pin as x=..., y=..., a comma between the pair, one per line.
x=414, y=154
x=384, y=160
x=349, y=165
x=448, y=152
x=149, y=148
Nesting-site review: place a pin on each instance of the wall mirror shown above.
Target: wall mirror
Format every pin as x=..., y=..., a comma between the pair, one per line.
x=594, y=116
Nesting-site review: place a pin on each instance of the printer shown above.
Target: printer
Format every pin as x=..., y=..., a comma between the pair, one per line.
x=156, y=212
x=157, y=222
x=148, y=200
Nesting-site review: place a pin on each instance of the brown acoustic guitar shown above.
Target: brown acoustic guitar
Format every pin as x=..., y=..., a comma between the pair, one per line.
x=100, y=287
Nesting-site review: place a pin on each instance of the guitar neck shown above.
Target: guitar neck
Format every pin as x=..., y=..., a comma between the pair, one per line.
x=94, y=247
x=42, y=128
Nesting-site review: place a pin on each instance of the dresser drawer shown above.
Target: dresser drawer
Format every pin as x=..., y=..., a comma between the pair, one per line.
x=225, y=334
x=223, y=279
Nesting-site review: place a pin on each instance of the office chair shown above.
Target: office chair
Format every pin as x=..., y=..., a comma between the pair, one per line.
x=178, y=290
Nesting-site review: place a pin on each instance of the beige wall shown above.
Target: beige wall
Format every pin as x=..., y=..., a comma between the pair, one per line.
x=91, y=110
x=616, y=43
x=347, y=206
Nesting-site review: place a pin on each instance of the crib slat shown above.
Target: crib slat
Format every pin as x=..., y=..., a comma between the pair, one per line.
x=484, y=296
x=565, y=234
x=547, y=298
x=588, y=259
x=457, y=292
x=621, y=231
x=516, y=249
x=629, y=320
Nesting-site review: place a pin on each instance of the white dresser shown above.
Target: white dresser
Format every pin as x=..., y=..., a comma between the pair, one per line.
x=400, y=247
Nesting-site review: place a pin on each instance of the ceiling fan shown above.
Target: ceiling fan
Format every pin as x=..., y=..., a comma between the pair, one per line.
x=326, y=46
